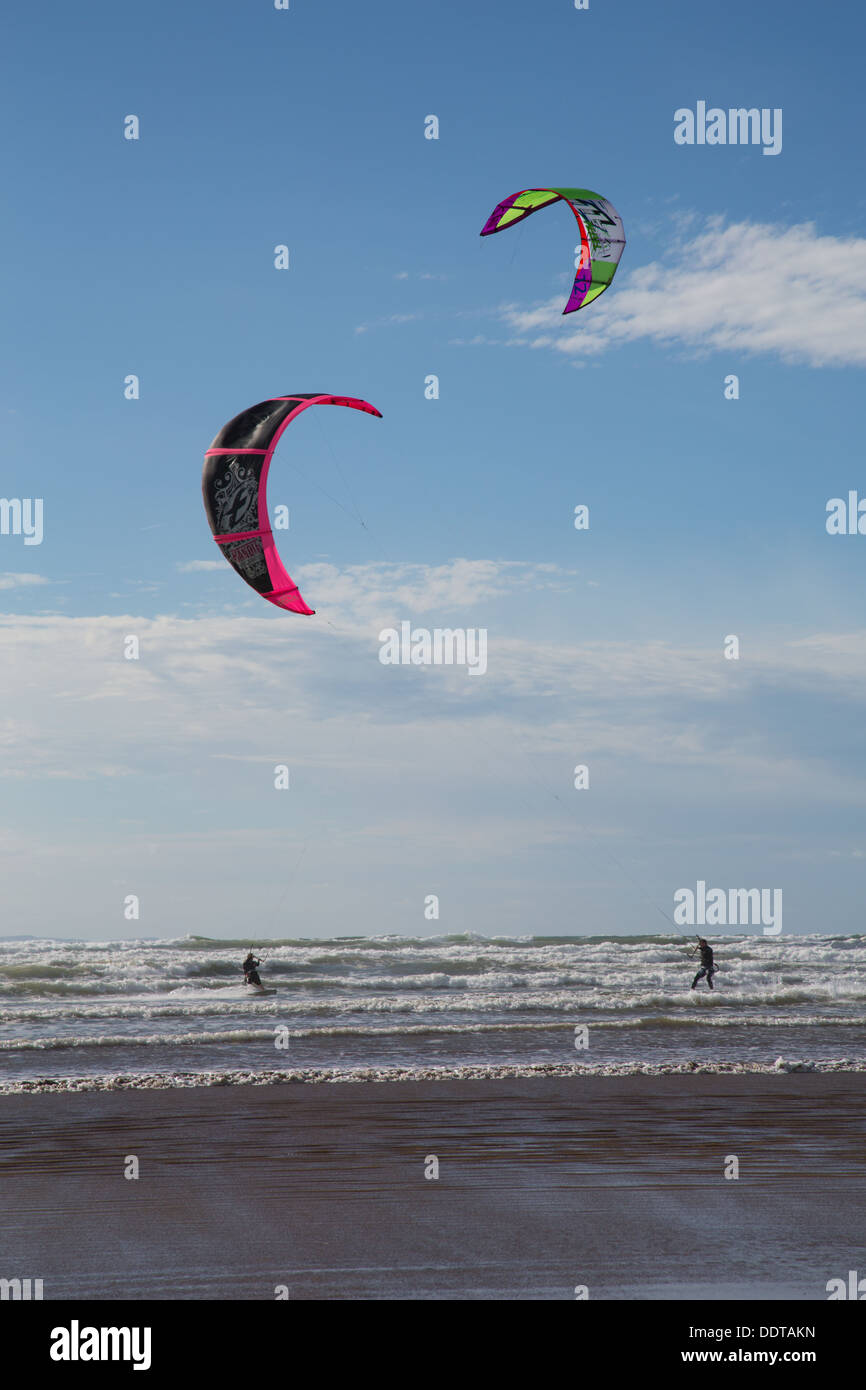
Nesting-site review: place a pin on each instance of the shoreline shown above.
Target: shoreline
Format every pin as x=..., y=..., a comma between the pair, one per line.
x=318, y=1076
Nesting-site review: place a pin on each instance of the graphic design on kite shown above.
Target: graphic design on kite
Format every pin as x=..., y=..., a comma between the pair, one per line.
x=234, y=487
x=602, y=239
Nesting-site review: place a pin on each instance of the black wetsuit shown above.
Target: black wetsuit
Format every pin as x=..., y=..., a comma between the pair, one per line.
x=707, y=967
x=251, y=975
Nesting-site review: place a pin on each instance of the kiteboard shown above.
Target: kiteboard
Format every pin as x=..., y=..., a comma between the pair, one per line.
x=262, y=990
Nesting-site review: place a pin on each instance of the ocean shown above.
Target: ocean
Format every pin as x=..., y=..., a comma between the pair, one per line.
x=177, y=1009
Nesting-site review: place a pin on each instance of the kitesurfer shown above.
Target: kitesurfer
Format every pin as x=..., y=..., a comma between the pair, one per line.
x=707, y=966
x=251, y=974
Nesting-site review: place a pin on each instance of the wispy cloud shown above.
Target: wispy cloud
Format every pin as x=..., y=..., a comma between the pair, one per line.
x=390, y=321
x=10, y=580
x=157, y=776
x=379, y=594
x=748, y=287
x=646, y=699
x=420, y=275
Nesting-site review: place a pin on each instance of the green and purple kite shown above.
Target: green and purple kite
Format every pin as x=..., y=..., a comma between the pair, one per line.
x=602, y=239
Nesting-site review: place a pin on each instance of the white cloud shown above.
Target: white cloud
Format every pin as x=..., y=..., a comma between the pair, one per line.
x=421, y=275
x=389, y=321
x=156, y=776
x=199, y=566
x=9, y=580
x=253, y=677
x=748, y=287
x=382, y=593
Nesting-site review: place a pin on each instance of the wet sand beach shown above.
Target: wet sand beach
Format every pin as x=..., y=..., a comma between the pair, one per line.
x=545, y=1184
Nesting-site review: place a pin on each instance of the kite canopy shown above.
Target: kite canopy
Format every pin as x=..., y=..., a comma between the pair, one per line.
x=602, y=238
x=234, y=488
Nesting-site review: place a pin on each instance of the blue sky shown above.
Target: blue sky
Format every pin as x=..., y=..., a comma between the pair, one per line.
x=155, y=257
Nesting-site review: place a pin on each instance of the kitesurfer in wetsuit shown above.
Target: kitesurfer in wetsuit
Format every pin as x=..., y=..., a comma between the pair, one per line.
x=251, y=975
x=707, y=966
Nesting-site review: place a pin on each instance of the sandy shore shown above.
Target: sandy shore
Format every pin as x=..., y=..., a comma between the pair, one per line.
x=616, y=1183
